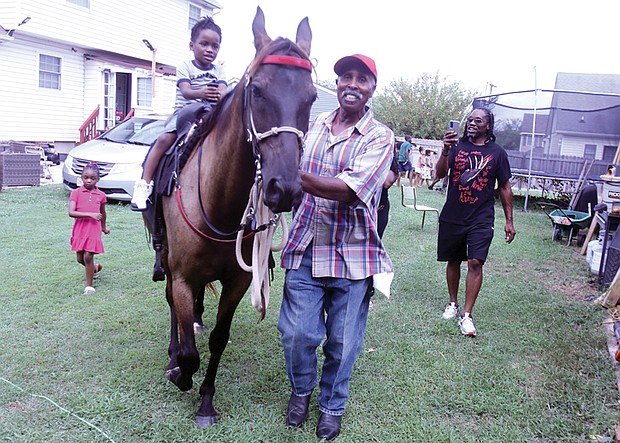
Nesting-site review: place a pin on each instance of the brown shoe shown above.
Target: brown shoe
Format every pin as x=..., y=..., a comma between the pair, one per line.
x=328, y=426
x=297, y=411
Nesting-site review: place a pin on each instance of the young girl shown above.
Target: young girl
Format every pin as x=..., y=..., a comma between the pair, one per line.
x=198, y=80
x=87, y=206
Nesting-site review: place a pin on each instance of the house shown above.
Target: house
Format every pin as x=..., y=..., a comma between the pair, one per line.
x=72, y=68
x=64, y=61
x=326, y=101
x=584, y=120
x=525, y=140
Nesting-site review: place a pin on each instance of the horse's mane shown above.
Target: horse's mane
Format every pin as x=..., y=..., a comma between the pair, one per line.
x=280, y=45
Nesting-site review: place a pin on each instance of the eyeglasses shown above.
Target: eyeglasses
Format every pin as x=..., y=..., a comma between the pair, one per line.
x=476, y=120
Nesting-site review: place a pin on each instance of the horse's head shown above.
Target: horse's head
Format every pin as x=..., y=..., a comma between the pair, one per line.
x=279, y=95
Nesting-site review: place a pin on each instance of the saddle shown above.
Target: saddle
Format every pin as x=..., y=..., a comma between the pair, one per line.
x=171, y=164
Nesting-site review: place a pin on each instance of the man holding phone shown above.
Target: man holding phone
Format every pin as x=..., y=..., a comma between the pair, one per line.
x=474, y=163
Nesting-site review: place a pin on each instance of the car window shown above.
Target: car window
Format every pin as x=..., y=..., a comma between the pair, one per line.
x=147, y=133
x=135, y=130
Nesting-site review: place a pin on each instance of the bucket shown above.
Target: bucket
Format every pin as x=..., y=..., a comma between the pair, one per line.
x=611, y=193
x=595, y=261
x=590, y=250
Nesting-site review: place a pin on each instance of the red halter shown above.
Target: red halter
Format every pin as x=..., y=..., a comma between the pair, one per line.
x=287, y=60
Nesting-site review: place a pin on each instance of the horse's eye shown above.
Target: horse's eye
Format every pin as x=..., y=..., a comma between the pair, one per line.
x=256, y=91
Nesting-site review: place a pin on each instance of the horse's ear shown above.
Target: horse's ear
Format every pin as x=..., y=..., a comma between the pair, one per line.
x=258, y=28
x=304, y=36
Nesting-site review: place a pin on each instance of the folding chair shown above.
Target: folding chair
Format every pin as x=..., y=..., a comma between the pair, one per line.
x=408, y=194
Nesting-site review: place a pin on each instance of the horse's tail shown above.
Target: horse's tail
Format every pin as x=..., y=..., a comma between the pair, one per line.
x=213, y=290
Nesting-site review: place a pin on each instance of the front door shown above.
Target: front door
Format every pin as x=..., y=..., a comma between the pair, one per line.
x=123, y=95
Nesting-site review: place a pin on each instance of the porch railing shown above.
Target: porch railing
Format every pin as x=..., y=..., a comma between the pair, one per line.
x=88, y=130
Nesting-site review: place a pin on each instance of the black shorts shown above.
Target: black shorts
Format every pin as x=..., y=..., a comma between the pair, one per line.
x=460, y=243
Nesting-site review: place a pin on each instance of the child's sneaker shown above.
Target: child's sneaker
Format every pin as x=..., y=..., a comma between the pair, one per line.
x=98, y=271
x=451, y=311
x=466, y=323
x=141, y=193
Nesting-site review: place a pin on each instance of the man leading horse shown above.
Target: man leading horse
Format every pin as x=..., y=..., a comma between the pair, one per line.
x=334, y=248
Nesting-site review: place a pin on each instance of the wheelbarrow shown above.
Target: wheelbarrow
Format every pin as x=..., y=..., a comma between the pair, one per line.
x=566, y=222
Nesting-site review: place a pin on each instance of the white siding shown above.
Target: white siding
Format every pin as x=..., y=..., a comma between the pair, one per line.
x=8, y=14
x=67, y=31
x=116, y=26
x=575, y=146
x=93, y=88
x=30, y=113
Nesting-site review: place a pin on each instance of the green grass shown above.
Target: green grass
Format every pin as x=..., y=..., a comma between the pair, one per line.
x=539, y=370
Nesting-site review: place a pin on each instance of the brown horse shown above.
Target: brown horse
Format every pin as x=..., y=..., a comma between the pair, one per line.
x=255, y=131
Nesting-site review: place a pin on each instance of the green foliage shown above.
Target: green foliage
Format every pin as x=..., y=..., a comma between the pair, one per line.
x=539, y=370
x=508, y=133
x=423, y=108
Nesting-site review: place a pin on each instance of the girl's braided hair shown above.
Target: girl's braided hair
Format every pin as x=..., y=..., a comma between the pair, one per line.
x=93, y=166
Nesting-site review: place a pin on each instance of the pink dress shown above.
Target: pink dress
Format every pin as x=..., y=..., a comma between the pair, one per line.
x=86, y=235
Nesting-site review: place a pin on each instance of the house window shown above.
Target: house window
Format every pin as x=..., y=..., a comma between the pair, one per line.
x=538, y=140
x=82, y=3
x=609, y=153
x=527, y=140
x=194, y=15
x=589, y=152
x=145, y=96
x=49, y=72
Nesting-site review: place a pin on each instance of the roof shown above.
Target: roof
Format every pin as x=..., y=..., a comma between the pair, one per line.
x=580, y=109
x=541, y=123
x=326, y=101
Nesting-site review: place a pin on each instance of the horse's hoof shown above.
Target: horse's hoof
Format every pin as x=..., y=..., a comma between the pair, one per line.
x=198, y=328
x=206, y=421
x=176, y=376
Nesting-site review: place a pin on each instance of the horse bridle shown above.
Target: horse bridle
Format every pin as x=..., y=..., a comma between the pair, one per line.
x=254, y=138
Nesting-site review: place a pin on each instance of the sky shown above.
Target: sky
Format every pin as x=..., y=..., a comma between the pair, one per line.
x=511, y=45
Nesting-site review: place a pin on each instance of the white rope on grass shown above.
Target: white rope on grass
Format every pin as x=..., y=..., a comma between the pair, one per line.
x=59, y=407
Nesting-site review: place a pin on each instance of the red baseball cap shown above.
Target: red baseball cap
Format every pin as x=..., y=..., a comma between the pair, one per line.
x=345, y=63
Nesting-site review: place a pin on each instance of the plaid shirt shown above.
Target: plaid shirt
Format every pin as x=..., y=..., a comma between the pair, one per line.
x=345, y=242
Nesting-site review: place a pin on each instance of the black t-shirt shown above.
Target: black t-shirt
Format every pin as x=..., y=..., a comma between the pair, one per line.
x=474, y=170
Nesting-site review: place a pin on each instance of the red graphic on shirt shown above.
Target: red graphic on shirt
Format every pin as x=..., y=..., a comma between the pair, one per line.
x=471, y=174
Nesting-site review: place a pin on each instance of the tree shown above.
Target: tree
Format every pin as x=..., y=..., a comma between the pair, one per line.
x=508, y=133
x=422, y=109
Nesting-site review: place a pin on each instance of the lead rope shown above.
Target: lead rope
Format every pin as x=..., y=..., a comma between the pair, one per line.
x=261, y=247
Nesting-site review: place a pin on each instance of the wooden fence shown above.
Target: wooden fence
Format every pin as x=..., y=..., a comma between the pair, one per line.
x=555, y=165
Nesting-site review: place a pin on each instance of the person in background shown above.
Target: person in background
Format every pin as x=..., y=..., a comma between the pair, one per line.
x=404, y=165
x=414, y=153
x=425, y=163
x=417, y=168
x=198, y=80
x=436, y=180
x=334, y=247
x=87, y=207
x=475, y=164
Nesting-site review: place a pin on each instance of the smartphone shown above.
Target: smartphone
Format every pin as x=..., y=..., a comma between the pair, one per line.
x=454, y=125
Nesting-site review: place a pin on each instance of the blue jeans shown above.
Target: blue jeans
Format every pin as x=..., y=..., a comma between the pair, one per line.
x=313, y=309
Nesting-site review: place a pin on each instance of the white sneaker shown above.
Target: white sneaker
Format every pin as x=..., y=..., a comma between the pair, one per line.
x=466, y=323
x=141, y=193
x=451, y=311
